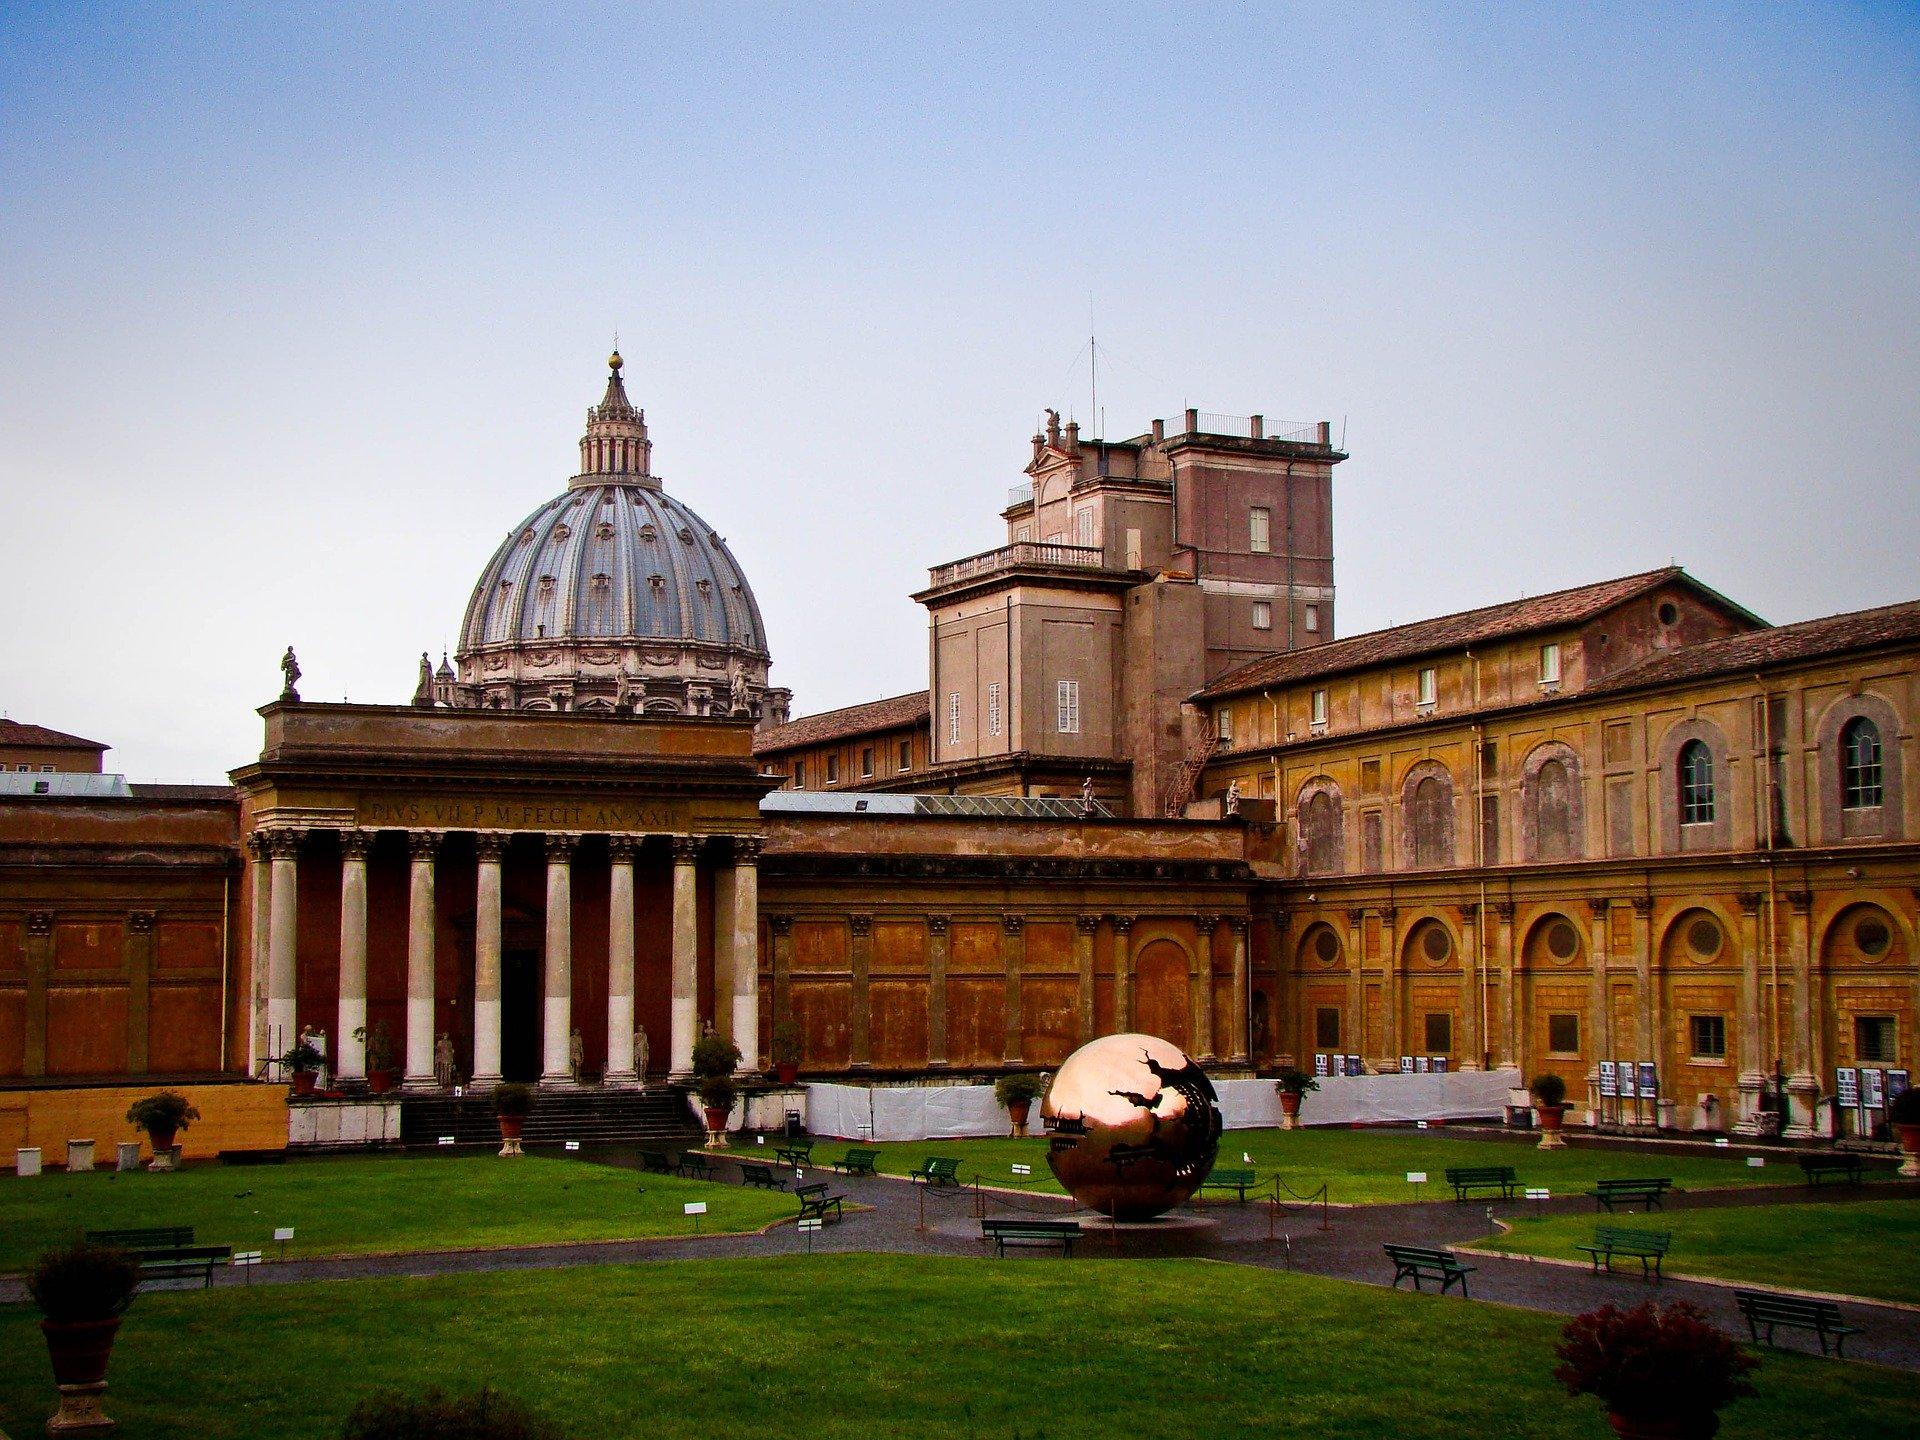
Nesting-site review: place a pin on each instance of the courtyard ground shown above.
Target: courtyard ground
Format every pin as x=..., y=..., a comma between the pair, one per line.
x=864, y=1345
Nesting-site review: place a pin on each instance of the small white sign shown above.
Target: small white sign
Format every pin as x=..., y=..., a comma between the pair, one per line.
x=695, y=1207
x=1538, y=1193
x=246, y=1257
x=1023, y=1169
x=759, y=1139
x=1720, y=1142
x=1419, y=1124
x=446, y=1139
x=1416, y=1177
x=458, y=1091
x=809, y=1224
x=283, y=1235
x=1755, y=1162
x=573, y=1144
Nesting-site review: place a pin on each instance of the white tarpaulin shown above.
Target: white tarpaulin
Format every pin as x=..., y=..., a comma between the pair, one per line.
x=953, y=1112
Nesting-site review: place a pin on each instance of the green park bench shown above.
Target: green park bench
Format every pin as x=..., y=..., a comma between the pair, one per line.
x=151, y=1237
x=815, y=1202
x=1032, y=1233
x=694, y=1165
x=1649, y=1247
x=796, y=1153
x=1650, y=1193
x=184, y=1262
x=1465, y=1179
x=1418, y=1262
x=857, y=1162
x=657, y=1162
x=1238, y=1181
x=1821, y=1168
x=752, y=1173
x=936, y=1170
x=1764, y=1310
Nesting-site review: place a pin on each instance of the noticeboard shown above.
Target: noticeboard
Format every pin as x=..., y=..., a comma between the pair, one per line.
x=1846, y=1087
x=1609, y=1080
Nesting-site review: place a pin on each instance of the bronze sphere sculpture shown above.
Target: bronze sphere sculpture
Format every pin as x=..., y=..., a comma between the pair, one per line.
x=1132, y=1126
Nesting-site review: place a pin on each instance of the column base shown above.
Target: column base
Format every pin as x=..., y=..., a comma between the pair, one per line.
x=486, y=1082
x=559, y=1082
x=420, y=1084
x=1242, y=1058
x=620, y=1080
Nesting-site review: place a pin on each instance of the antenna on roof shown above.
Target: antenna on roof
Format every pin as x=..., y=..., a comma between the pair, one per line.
x=1093, y=367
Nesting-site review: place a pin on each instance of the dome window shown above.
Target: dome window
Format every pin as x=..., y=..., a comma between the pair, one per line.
x=647, y=534
x=526, y=536
x=657, y=580
x=604, y=531
x=686, y=536
x=705, y=587
x=561, y=532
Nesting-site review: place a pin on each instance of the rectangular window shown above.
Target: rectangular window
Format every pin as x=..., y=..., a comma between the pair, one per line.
x=1260, y=530
x=1262, y=615
x=799, y=774
x=23, y=769
x=993, y=708
x=1312, y=620
x=1429, y=686
x=1319, y=707
x=1563, y=1034
x=953, y=717
x=1550, y=663
x=866, y=762
x=1873, y=1039
x=1067, y=707
x=1489, y=761
x=1326, y=1028
x=1709, y=1036
x=1083, y=527
x=1439, y=1030
x=906, y=754
x=48, y=770
x=1223, y=724
x=833, y=769
x=1022, y=534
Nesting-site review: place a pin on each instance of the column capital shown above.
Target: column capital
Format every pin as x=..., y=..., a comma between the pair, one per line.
x=686, y=849
x=256, y=843
x=39, y=922
x=140, y=922
x=1469, y=912
x=860, y=924
x=1750, y=902
x=746, y=849
x=1801, y=901
x=1599, y=906
x=623, y=848
x=1356, y=915
x=1207, y=923
x=936, y=924
x=354, y=844
x=1013, y=924
x=490, y=845
x=1238, y=924
x=1503, y=911
x=780, y=924
x=560, y=845
x=1642, y=906
x=1121, y=923
x=283, y=842
x=1389, y=913
x=424, y=844
x=1086, y=924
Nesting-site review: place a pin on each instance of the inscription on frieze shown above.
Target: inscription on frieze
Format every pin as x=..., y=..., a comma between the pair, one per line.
x=466, y=813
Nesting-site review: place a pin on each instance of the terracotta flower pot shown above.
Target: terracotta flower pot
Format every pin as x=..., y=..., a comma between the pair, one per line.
x=303, y=1081
x=1550, y=1117
x=787, y=1071
x=1910, y=1150
x=716, y=1120
x=510, y=1133
x=1698, y=1426
x=161, y=1140
x=79, y=1349
x=1018, y=1111
x=379, y=1081
x=1289, y=1109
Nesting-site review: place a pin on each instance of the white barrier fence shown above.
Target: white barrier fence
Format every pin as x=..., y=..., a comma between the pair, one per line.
x=954, y=1112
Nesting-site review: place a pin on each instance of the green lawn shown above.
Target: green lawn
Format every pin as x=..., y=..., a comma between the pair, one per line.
x=377, y=1204
x=887, y=1345
x=1862, y=1248
x=1359, y=1166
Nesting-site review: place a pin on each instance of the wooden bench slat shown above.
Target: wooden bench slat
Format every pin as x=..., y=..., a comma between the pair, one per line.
x=1419, y=1261
x=1766, y=1311
x=1031, y=1232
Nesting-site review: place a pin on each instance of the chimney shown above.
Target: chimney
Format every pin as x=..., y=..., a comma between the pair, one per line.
x=1326, y=432
x=1258, y=425
x=1193, y=422
x=1159, y=431
x=1073, y=437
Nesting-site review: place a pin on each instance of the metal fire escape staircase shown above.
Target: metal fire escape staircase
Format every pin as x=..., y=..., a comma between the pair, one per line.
x=1180, y=793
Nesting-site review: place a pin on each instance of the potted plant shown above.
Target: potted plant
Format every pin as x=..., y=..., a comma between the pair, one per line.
x=787, y=1041
x=1017, y=1093
x=303, y=1061
x=379, y=1043
x=1292, y=1084
x=511, y=1102
x=1904, y=1116
x=1662, y=1372
x=714, y=1055
x=81, y=1291
x=162, y=1116
x=1549, y=1104
x=717, y=1094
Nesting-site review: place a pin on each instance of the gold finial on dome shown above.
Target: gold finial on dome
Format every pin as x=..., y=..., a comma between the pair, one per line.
x=614, y=362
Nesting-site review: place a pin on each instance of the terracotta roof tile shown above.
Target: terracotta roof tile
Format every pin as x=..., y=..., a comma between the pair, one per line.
x=1779, y=645
x=13, y=732
x=1448, y=632
x=843, y=724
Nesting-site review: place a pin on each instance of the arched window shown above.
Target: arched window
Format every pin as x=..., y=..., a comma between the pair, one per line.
x=1550, y=791
x=1432, y=823
x=1321, y=839
x=1696, y=783
x=1862, y=782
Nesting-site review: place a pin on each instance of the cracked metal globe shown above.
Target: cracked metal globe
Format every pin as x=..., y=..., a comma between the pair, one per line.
x=1132, y=1126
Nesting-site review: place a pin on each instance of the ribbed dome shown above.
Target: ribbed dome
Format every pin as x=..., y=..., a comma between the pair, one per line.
x=613, y=562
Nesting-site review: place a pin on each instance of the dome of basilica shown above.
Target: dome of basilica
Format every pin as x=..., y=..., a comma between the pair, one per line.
x=613, y=596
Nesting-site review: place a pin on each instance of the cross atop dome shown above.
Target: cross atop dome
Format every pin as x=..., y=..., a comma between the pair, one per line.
x=615, y=450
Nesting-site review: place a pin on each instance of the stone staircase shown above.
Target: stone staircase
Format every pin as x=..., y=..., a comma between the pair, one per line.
x=654, y=1116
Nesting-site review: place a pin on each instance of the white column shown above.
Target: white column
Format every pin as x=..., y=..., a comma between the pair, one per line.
x=746, y=950
x=489, y=847
x=283, y=934
x=350, y=1050
x=421, y=845
x=556, y=1068
x=620, y=849
x=257, y=1050
x=686, y=955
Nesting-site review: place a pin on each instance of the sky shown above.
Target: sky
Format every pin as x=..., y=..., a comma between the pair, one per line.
x=301, y=308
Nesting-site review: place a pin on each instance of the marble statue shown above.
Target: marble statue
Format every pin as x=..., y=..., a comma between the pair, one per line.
x=737, y=692
x=576, y=1055
x=640, y=1056
x=1086, y=796
x=290, y=674
x=443, y=1061
x=316, y=1037
x=423, y=692
x=1233, y=797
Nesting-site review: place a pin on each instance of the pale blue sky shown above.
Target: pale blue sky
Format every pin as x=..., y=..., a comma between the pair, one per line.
x=300, y=311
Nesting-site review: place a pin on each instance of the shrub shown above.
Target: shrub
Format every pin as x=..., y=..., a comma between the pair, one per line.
x=512, y=1100
x=1549, y=1089
x=717, y=1092
x=169, y=1110
x=1905, y=1109
x=1652, y=1361
x=1009, y=1089
x=713, y=1055
x=1295, y=1082
x=83, y=1282
x=486, y=1414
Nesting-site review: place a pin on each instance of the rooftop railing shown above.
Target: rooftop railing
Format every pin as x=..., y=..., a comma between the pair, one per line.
x=1020, y=495
x=1015, y=556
